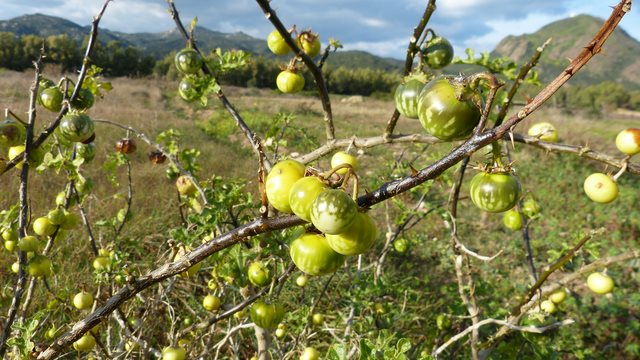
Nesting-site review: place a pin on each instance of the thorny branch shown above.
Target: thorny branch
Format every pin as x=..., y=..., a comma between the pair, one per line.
x=24, y=211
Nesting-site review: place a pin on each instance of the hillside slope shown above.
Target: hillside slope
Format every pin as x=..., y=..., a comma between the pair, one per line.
x=618, y=61
x=162, y=43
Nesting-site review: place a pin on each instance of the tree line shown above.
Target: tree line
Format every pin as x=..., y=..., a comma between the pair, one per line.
x=262, y=73
x=117, y=59
x=18, y=53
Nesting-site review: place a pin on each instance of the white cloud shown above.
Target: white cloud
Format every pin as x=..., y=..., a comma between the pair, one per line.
x=372, y=22
x=386, y=48
x=501, y=28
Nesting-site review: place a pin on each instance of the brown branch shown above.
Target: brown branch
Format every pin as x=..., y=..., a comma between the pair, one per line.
x=524, y=71
x=323, y=92
x=412, y=49
x=249, y=134
x=582, y=151
x=24, y=211
x=386, y=191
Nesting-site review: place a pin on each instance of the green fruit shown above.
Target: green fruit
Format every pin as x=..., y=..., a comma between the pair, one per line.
x=302, y=194
x=39, y=266
x=10, y=234
x=437, y=53
x=558, y=296
x=258, y=274
x=406, y=97
x=600, y=283
x=51, y=99
x=600, y=188
x=173, y=353
x=43, y=227
x=71, y=220
x=442, y=114
x=29, y=244
x=494, y=192
x=12, y=133
x=279, y=182
x=276, y=43
x=333, y=211
x=86, y=343
x=102, y=263
x=544, y=131
x=188, y=61
x=76, y=127
x=211, y=303
x=289, y=81
x=267, y=316
x=56, y=216
x=357, y=238
x=341, y=158
x=512, y=220
x=312, y=255
x=83, y=300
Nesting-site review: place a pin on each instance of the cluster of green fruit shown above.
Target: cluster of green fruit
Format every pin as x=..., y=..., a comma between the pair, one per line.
x=345, y=230
x=289, y=80
x=55, y=224
x=189, y=63
x=599, y=283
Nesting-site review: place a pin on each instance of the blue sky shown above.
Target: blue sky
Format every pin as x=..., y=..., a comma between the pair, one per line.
x=382, y=27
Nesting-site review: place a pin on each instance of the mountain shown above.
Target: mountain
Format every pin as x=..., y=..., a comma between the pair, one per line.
x=618, y=60
x=160, y=44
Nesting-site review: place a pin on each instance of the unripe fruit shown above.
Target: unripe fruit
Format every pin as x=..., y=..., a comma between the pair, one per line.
x=29, y=243
x=43, y=227
x=558, y=296
x=302, y=281
x=86, y=343
x=600, y=283
x=56, y=216
x=102, y=263
x=600, y=188
x=211, y=303
x=83, y=300
x=342, y=157
x=310, y=354
x=173, y=353
x=544, y=131
x=548, y=306
x=10, y=235
x=317, y=319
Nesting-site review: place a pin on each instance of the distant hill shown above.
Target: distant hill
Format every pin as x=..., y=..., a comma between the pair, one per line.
x=160, y=44
x=619, y=60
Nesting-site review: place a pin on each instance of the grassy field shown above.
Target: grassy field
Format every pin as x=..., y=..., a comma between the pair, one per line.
x=426, y=275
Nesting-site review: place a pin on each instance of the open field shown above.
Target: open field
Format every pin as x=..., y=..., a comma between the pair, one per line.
x=606, y=327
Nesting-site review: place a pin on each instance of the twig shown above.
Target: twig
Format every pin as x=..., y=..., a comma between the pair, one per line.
x=172, y=159
x=412, y=49
x=229, y=312
x=524, y=71
x=475, y=327
x=249, y=134
x=24, y=210
x=323, y=93
x=129, y=199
